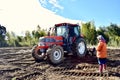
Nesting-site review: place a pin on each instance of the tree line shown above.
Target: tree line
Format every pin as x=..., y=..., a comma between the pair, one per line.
x=111, y=34
x=30, y=38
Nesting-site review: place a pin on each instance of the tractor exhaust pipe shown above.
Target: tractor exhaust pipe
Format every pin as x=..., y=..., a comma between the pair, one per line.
x=49, y=32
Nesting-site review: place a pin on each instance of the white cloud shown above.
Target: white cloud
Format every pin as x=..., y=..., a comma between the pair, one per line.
x=21, y=15
x=55, y=3
x=43, y=3
x=52, y=5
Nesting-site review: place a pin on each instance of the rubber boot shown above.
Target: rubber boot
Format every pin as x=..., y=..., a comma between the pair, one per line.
x=101, y=68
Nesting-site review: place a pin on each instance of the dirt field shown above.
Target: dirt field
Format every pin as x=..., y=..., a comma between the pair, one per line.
x=18, y=64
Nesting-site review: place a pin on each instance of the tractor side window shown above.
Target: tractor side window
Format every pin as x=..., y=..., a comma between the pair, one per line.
x=76, y=30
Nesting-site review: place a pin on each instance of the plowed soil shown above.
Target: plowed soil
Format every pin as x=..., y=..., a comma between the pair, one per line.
x=18, y=64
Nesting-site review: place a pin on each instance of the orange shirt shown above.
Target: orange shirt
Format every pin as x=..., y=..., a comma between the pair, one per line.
x=101, y=49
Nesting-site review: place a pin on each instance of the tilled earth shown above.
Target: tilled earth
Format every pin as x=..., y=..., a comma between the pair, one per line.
x=18, y=64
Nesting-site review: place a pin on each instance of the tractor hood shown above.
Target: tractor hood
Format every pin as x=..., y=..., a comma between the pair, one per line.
x=50, y=40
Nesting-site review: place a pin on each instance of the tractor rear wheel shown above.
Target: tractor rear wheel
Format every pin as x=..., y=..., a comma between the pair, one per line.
x=37, y=55
x=80, y=48
x=55, y=54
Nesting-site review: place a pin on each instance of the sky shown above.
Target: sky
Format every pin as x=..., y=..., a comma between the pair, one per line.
x=102, y=12
x=20, y=16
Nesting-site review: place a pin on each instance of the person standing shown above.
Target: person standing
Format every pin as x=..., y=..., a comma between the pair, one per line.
x=101, y=53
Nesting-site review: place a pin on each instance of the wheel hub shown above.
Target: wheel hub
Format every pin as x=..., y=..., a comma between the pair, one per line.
x=57, y=54
x=81, y=47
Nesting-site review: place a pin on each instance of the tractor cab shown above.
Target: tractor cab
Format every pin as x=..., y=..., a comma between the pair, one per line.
x=63, y=29
x=69, y=32
x=66, y=30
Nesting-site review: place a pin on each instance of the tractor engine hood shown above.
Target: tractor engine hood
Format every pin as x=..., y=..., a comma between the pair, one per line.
x=45, y=42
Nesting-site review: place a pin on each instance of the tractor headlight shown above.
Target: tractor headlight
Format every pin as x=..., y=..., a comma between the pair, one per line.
x=41, y=44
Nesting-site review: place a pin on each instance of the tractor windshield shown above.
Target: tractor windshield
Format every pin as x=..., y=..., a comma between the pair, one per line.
x=61, y=31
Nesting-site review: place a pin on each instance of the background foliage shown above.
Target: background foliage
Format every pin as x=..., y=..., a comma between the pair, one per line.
x=111, y=33
x=30, y=38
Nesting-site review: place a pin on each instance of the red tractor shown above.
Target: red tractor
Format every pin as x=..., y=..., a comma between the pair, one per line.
x=66, y=38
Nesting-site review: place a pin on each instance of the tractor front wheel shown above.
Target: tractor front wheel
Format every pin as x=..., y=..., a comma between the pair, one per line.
x=55, y=54
x=37, y=55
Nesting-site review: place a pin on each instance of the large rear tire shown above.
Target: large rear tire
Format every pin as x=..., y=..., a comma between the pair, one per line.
x=37, y=55
x=56, y=55
x=80, y=48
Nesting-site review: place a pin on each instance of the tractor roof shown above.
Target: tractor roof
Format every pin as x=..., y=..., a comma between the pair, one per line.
x=64, y=24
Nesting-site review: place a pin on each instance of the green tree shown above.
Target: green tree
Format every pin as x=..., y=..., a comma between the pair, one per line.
x=114, y=34
x=39, y=32
x=11, y=39
x=93, y=34
x=103, y=31
x=89, y=32
x=113, y=29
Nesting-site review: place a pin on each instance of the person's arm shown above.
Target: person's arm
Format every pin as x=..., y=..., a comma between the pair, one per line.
x=99, y=47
